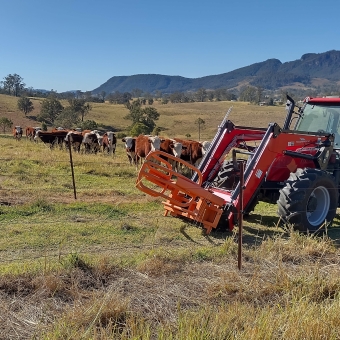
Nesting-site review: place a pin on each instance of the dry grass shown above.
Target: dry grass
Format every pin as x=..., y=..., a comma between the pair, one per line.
x=109, y=265
x=166, y=298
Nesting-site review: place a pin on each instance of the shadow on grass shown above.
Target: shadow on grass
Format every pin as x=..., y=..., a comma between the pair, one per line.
x=270, y=227
x=214, y=235
x=34, y=118
x=255, y=235
x=265, y=221
x=187, y=236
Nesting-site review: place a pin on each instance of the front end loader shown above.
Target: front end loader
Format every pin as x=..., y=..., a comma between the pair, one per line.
x=297, y=168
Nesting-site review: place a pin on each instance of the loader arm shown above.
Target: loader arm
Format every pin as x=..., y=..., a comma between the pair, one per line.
x=231, y=137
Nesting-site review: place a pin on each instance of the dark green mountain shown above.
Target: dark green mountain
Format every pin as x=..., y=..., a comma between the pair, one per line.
x=269, y=74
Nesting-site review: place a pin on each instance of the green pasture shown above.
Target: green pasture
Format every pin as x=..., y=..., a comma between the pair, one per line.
x=40, y=216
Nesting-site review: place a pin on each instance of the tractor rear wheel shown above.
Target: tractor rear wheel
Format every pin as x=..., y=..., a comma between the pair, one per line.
x=308, y=199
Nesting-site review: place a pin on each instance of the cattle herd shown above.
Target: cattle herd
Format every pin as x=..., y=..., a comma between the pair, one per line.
x=86, y=141
x=137, y=148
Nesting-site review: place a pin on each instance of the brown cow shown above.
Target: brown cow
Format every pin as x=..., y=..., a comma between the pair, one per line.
x=17, y=132
x=31, y=131
x=171, y=147
x=191, y=151
x=146, y=144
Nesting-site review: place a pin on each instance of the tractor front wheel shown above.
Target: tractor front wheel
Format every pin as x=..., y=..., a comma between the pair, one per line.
x=308, y=200
x=227, y=177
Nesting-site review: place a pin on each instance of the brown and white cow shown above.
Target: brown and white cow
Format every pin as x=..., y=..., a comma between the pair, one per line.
x=171, y=147
x=91, y=142
x=130, y=148
x=17, y=132
x=145, y=144
x=51, y=137
x=85, y=131
x=109, y=142
x=75, y=138
x=191, y=150
x=31, y=131
x=205, y=148
x=99, y=139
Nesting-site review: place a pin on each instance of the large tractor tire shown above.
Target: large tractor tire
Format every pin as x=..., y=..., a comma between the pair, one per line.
x=227, y=177
x=308, y=200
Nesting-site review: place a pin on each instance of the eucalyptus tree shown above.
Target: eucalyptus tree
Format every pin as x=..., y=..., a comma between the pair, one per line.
x=103, y=95
x=136, y=93
x=50, y=109
x=80, y=106
x=5, y=123
x=13, y=84
x=249, y=94
x=67, y=118
x=25, y=105
x=144, y=117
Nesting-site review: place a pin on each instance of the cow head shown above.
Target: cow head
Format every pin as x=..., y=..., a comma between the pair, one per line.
x=176, y=148
x=18, y=130
x=128, y=142
x=155, y=143
x=36, y=137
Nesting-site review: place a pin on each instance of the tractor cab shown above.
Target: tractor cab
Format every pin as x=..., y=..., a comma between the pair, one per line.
x=320, y=115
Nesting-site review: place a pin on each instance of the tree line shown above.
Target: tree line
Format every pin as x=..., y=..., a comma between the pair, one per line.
x=255, y=92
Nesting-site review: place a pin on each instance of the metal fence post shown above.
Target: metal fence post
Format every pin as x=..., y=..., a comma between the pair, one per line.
x=71, y=162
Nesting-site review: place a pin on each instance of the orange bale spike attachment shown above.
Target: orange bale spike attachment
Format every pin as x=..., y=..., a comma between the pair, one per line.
x=183, y=197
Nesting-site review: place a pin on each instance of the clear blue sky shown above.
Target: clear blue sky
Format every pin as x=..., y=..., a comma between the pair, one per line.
x=79, y=44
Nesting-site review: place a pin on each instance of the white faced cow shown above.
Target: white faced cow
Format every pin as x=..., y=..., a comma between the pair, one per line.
x=145, y=144
x=130, y=147
x=171, y=147
x=17, y=132
x=109, y=142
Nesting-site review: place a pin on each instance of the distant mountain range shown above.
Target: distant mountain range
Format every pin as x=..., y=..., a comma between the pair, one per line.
x=311, y=70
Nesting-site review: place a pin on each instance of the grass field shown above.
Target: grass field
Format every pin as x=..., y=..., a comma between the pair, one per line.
x=176, y=119
x=109, y=265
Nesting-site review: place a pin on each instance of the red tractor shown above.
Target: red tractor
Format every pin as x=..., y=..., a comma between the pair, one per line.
x=296, y=167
